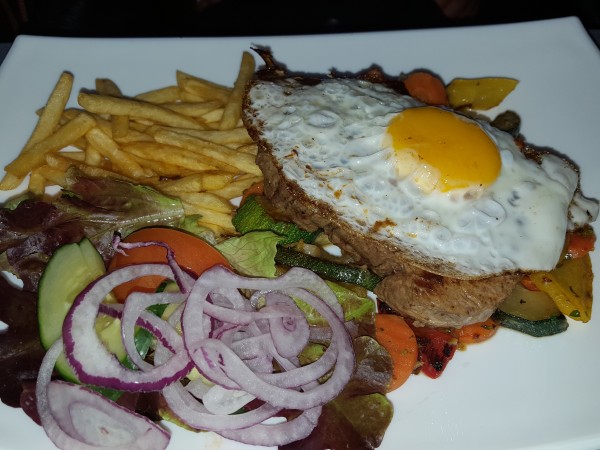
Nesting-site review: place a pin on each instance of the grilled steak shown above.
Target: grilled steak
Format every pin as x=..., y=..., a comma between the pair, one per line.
x=428, y=298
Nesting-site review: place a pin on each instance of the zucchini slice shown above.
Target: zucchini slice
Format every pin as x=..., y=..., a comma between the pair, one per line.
x=253, y=215
x=531, y=312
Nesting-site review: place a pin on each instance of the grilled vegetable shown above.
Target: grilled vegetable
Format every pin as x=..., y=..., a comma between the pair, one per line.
x=327, y=269
x=531, y=312
x=479, y=93
x=252, y=215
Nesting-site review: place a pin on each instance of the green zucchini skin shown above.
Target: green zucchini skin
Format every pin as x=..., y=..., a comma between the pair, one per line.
x=327, y=269
x=252, y=216
x=537, y=328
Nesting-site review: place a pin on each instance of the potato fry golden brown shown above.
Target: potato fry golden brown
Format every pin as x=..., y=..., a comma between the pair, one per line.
x=220, y=155
x=233, y=109
x=63, y=137
x=184, y=139
x=102, y=104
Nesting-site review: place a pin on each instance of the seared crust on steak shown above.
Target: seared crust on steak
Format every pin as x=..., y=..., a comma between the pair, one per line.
x=438, y=301
x=428, y=298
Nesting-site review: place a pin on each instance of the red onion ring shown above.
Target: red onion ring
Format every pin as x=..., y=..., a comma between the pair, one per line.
x=75, y=417
x=226, y=337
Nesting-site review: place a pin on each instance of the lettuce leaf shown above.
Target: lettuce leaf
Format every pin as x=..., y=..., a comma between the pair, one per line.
x=252, y=254
x=20, y=350
x=96, y=208
x=359, y=416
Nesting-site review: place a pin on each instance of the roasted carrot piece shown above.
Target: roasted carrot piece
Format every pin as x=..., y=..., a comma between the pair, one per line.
x=477, y=332
x=528, y=283
x=257, y=188
x=394, y=334
x=426, y=87
x=580, y=243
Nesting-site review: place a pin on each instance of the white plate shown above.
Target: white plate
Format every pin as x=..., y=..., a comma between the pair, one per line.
x=513, y=392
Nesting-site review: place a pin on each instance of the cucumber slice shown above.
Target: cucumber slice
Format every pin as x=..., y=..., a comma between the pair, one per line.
x=531, y=312
x=70, y=269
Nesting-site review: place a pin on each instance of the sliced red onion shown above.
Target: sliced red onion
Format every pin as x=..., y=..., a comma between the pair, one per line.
x=178, y=274
x=136, y=304
x=224, y=367
x=227, y=338
x=195, y=415
x=75, y=417
x=91, y=361
x=279, y=433
x=290, y=332
x=219, y=400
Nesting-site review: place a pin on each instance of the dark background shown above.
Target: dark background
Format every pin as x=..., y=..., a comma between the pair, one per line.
x=110, y=18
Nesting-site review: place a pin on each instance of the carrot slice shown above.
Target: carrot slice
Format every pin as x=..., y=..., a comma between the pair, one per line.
x=426, y=87
x=528, y=283
x=477, y=332
x=394, y=334
x=257, y=188
x=191, y=253
x=580, y=243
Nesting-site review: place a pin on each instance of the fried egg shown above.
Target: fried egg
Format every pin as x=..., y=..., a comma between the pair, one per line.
x=452, y=191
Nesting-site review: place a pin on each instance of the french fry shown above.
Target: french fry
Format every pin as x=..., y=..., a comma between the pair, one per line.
x=196, y=182
x=237, y=187
x=106, y=86
x=34, y=156
x=10, y=181
x=99, y=172
x=59, y=162
x=102, y=104
x=93, y=157
x=49, y=118
x=235, y=136
x=52, y=176
x=162, y=169
x=169, y=154
x=217, y=230
x=207, y=200
x=167, y=94
x=221, y=156
x=37, y=183
x=75, y=156
x=51, y=113
x=120, y=160
x=233, y=109
x=186, y=140
x=193, y=109
x=202, y=88
x=251, y=149
x=210, y=217
x=214, y=116
x=189, y=97
x=120, y=123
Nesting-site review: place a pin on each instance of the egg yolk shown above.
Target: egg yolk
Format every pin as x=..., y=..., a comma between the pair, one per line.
x=442, y=150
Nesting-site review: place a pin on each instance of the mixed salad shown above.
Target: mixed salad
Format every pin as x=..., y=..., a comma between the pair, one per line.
x=298, y=347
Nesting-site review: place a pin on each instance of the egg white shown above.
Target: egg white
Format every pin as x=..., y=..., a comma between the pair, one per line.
x=331, y=139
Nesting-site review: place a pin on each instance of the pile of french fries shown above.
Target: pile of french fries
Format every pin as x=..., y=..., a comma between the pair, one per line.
x=185, y=140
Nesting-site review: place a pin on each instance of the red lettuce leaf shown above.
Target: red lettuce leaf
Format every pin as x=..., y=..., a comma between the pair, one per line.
x=94, y=208
x=20, y=350
x=359, y=416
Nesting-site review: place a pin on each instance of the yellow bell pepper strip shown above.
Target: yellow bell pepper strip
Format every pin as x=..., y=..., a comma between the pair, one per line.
x=570, y=286
x=479, y=93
